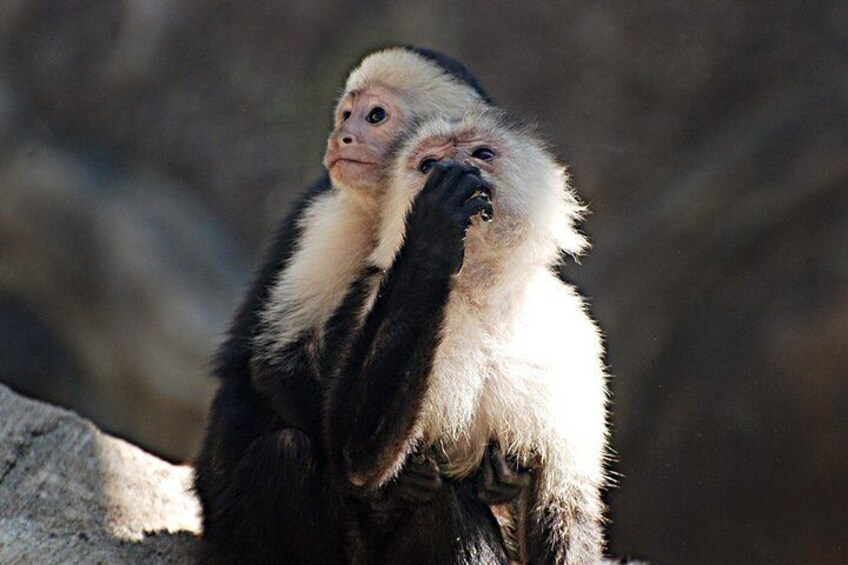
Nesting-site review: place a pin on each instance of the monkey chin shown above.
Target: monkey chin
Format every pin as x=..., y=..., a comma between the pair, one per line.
x=355, y=176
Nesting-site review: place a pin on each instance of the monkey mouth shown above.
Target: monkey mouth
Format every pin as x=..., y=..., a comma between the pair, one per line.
x=332, y=162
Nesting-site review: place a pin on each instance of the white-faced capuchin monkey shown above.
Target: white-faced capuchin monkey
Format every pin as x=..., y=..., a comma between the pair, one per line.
x=470, y=339
x=262, y=476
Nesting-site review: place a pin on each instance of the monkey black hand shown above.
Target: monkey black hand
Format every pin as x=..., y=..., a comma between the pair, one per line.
x=419, y=480
x=499, y=481
x=442, y=212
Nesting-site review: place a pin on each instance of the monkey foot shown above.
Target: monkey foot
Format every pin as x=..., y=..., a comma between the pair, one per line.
x=499, y=481
x=419, y=480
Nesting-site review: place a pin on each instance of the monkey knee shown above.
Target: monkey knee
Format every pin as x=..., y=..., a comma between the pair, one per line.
x=294, y=443
x=294, y=451
x=276, y=477
x=285, y=453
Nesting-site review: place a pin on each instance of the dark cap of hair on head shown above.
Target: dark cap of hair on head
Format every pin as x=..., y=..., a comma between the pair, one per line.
x=452, y=67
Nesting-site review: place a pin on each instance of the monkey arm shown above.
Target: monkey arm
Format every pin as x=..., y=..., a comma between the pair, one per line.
x=378, y=391
x=292, y=388
x=292, y=379
x=377, y=394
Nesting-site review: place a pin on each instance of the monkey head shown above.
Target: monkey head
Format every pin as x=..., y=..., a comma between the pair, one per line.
x=390, y=90
x=535, y=209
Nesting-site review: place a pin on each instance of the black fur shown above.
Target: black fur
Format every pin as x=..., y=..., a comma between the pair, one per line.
x=454, y=68
x=453, y=529
x=252, y=456
x=539, y=536
x=276, y=505
x=268, y=497
x=234, y=355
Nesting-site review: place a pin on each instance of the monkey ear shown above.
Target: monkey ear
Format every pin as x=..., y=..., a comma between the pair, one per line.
x=543, y=202
x=571, y=240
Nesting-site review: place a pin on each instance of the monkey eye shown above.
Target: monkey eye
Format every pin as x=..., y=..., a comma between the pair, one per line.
x=483, y=153
x=427, y=164
x=376, y=115
x=345, y=115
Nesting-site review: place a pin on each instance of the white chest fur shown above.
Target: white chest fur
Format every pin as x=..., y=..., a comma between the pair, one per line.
x=337, y=237
x=520, y=364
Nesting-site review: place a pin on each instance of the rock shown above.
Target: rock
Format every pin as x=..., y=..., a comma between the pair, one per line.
x=72, y=494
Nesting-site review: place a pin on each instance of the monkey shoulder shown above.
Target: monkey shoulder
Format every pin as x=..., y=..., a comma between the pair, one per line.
x=232, y=359
x=335, y=240
x=553, y=323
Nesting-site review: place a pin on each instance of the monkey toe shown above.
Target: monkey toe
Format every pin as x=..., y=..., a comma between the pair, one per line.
x=420, y=480
x=418, y=487
x=498, y=481
x=500, y=492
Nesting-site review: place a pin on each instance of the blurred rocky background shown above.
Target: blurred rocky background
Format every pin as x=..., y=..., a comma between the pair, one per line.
x=147, y=148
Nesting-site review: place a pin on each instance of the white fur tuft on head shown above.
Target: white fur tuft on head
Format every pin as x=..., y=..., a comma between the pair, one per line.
x=428, y=88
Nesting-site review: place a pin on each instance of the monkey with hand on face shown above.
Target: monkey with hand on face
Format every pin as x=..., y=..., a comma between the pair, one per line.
x=469, y=338
x=262, y=478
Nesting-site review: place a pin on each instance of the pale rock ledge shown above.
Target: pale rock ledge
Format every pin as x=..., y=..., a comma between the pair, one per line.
x=72, y=494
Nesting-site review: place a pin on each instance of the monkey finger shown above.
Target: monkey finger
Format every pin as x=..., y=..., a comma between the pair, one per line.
x=453, y=177
x=438, y=177
x=417, y=488
x=499, y=481
x=498, y=460
x=519, y=479
x=459, y=185
x=505, y=472
x=498, y=494
x=468, y=187
x=418, y=458
x=487, y=473
x=421, y=465
x=492, y=491
x=479, y=206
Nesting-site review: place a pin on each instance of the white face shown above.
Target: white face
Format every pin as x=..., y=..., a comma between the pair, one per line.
x=366, y=125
